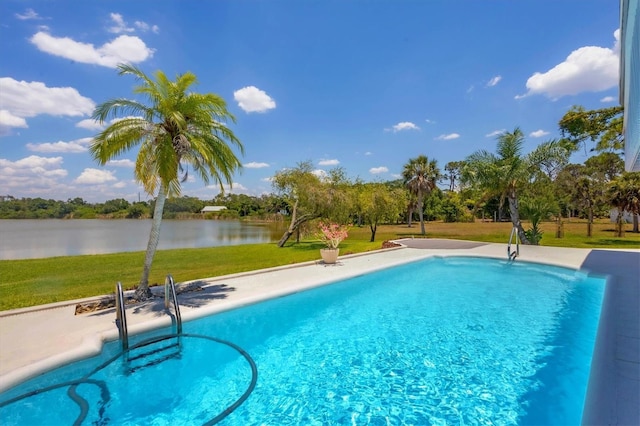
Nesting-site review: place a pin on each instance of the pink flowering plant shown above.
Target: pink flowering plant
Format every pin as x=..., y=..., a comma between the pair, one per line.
x=332, y=234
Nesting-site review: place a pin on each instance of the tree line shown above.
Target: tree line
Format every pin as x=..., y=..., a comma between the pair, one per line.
x=501, y=185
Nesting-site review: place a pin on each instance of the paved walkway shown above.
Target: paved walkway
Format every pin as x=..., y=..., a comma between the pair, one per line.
x=36, y=339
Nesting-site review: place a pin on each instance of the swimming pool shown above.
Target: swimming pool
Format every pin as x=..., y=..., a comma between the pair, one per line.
x=440, y=341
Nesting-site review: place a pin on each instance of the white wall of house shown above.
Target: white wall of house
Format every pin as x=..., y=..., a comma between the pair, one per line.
x=208, y=209
x=627, y=216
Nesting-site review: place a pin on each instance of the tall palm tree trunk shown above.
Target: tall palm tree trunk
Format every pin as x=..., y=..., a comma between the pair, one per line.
x=421, y=214
x=143, y=291
x=515, y=217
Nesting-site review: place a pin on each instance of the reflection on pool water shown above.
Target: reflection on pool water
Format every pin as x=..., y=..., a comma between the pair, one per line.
x=440, y=341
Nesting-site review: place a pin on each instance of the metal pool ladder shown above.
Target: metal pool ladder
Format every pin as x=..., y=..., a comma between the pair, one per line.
x=121, y=322
x=514, y=236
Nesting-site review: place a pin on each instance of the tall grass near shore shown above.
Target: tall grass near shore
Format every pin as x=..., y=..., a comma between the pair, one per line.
x=33, y=282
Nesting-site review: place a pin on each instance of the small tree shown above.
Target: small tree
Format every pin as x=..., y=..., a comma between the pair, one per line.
x=624, y=194
x=501, y=175
x=420, y=176
x=380, y=204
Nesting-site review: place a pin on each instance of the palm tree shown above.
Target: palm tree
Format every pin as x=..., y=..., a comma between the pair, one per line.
x=624, y=194
x=176, y=129
x=502, y=174
x=420, y=176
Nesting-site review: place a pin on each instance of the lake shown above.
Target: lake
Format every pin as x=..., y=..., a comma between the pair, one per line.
x=30, y=239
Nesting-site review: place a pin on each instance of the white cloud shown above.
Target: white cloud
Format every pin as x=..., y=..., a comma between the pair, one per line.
x=32, y=162
x=123, y=49
x=429, y=121
x=495, y=133
x=28, y=14
x=89, y=124
x=608, y=99
x=33, y=172
x=238, y=187
x=119, y=25
x=368, y=153
x=332, y=162
x=404, y=125
x=28, y=99
x=79, y=145
x=378, y=170
x=143, y=26
x=448, y=137
x=8, y=121
x=320, y=173
x=538, y=133
x=255, y=165
x=587, y=69
x=252, y=99
x=95, y=177
x=495, y=80
x=121, y=163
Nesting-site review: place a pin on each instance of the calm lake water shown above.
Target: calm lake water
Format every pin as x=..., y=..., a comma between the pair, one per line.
x=30, y=239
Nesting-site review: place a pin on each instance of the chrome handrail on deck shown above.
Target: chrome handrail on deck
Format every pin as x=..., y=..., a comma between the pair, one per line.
x=170, y=291
x=512, y=255
x=121, y=318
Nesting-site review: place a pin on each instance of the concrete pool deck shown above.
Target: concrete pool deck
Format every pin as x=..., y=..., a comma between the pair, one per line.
x=33, y=340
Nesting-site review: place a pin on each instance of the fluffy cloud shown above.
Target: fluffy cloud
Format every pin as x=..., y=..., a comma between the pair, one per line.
x=495, y=133
x=495, y=80
x=8, y=121
x=538, y=133
x=33, y=172
x=122, y=163
x=255, y=165
x=608, y=99
x=123, y=49
x=404, y=125
x=448, y=137
x=332, y=162
x=252, y=99
x=378, y=170
x=322, y=174
x=95, y=177
x=76, y=146
x=121, y=26
x=587, y=69
x=89, y=124
x=27, y=15
x=28, y=99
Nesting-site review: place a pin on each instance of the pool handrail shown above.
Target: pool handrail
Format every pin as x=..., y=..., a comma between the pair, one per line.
x=512, y=255
x=170, y=295
x=121, y=318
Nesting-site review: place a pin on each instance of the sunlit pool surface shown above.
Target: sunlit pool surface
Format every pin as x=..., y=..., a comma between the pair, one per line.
x=441, y=341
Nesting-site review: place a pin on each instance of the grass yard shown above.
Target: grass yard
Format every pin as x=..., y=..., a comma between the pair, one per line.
x=33, y=282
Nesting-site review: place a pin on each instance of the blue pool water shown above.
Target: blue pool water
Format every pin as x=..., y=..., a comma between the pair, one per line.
x=441, y=341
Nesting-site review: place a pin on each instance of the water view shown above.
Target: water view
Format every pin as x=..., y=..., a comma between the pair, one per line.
x=30, y=239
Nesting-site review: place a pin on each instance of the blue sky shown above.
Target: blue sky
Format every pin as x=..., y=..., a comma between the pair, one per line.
x=365, y=85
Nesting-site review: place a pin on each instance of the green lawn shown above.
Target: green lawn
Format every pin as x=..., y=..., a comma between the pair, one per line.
x=38, y=281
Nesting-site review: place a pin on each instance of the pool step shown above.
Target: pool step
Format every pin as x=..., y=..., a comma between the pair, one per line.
x=153, y=356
